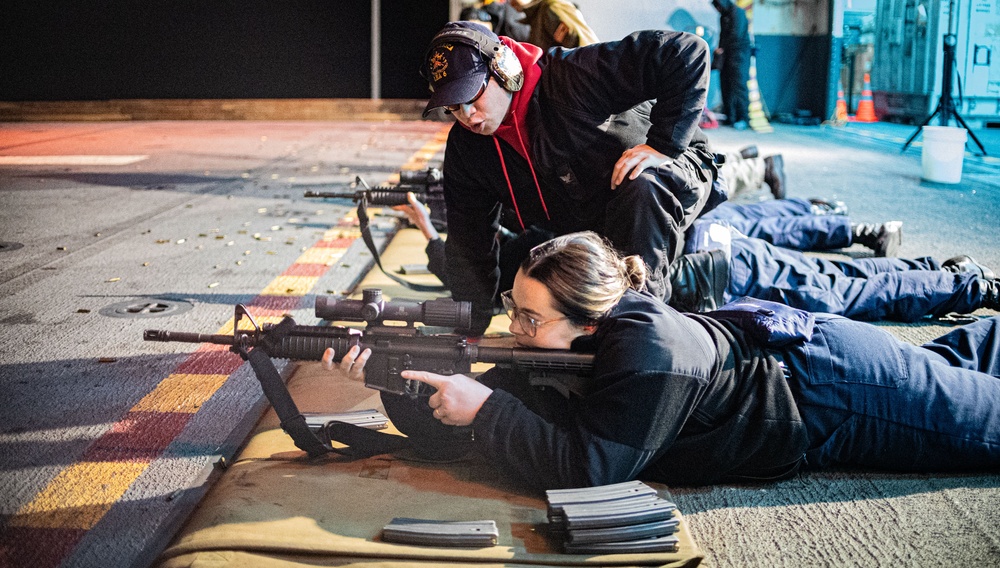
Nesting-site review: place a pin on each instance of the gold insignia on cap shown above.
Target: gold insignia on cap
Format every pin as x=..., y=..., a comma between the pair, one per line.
x=438, y=66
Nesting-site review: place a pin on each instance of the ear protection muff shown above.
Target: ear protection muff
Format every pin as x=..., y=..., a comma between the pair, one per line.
x=503, y=64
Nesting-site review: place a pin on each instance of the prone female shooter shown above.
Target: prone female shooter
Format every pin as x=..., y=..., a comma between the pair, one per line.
x=704, y=398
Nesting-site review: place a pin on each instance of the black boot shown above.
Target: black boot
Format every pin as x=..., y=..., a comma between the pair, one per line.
x=883, y=238
x=991, y=294
x=698, y=281
x=774, y=175
x=965, y=263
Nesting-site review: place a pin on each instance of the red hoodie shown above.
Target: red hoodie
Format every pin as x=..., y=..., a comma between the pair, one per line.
x=514, y=129
x=528, y=55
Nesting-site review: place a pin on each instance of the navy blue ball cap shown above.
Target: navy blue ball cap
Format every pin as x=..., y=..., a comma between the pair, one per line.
x=455, y=69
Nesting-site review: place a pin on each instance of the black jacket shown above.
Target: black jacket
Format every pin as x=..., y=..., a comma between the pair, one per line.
x=674, y=398
x=590, y=104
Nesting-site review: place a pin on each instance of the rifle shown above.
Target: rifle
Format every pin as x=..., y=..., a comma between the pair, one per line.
x=394, y=348
x=427, y=185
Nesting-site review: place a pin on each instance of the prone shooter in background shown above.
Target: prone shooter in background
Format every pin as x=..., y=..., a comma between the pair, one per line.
x=420, y=195
x=426, y=185
x=514, y=248
x=866, y=289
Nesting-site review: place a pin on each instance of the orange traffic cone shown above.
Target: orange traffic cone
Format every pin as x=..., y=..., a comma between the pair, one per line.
x=866, y=107
x=840, y=114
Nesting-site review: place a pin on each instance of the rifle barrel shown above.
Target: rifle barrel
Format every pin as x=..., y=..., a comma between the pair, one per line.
x=185, y=337
x=329, y=194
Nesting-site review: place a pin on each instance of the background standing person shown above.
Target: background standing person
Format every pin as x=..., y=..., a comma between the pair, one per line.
x=498, y=15
x=555, y=23
x=734, y=72
x=603, y=137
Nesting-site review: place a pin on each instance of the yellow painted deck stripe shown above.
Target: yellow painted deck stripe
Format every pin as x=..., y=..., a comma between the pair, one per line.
x=419, y=160
x=290, y=286
x=344, y=232
x=79, y=496
x=184, y=392
x=321, y=255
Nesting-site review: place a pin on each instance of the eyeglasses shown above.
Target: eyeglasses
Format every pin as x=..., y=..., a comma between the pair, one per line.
x=529, y=324
x=455, y=108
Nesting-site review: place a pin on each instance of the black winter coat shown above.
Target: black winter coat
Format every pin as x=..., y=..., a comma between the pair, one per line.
x=590, y=105
x=674, y=398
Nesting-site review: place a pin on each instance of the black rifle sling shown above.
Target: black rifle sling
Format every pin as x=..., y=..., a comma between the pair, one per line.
x=366, y=234
x=361, y=442
x=364, y=441
x=277, y=394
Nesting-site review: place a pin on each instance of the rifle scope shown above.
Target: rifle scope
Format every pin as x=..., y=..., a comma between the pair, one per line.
x=442, y=312
x=430, y=176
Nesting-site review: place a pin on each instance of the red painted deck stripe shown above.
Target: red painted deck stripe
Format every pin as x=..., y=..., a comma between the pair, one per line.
x=301, y=269
x=210, y=359
x=343, y=242
x=37, y=547
x=139, y=436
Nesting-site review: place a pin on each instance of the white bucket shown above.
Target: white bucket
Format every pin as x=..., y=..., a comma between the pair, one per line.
x=943, y=153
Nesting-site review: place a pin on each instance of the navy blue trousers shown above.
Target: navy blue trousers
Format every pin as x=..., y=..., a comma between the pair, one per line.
x=870, y=289
x=868, y=399
x=788, y=223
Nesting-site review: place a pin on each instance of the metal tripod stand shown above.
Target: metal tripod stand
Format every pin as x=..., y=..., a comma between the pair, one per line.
x=946, y=104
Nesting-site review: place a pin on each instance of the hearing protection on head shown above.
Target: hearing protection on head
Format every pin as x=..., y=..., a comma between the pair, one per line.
x=503, y=64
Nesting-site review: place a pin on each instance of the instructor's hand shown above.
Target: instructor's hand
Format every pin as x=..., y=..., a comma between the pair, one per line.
x=633, y=161
x=458, y=398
